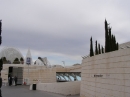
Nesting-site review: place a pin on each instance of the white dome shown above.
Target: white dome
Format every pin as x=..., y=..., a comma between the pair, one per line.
x=10, y=53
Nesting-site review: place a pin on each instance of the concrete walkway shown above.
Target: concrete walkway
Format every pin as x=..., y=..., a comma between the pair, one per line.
x=23, y=91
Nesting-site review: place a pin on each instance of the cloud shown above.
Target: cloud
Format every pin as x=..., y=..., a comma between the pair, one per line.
x=62, y=28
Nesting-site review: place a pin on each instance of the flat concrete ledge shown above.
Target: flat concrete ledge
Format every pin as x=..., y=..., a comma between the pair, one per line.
x=64, y=88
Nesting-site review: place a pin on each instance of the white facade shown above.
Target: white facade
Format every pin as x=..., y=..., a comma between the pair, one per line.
x=65, y=88
x=106, y=75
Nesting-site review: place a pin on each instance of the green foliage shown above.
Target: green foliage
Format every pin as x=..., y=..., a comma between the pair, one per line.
x=117, y=46
x=16, y=61
x=21, y=59
x=106, y=36
x=114, y=43
x=102, y=50
x=108, y=43
x=91, y=47
x=96, y=48
x=99, y=50
x=4, y=60
x=110, y=40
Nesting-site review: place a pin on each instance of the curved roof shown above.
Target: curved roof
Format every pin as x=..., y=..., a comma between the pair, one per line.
x=10, y=53
x=38, y=62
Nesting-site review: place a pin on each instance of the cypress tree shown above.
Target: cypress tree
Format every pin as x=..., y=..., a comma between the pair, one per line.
x=99, y=49
x=117, y=46
x=110, y=40
x=102, y=50
x=114, y=43
x=96, y=48
x=91, y=47
x=108, y=43
x=106, y=36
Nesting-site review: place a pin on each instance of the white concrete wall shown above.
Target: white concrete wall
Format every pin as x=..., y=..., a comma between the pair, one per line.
x=75, y=68
x=38, y=74
x=106, y=75
x=65, y=88
x=44, y=75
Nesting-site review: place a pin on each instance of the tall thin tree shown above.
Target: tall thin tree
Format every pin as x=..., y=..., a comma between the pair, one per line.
x=114, y=43
x=108, y=43
x=99, y=50
x=91, y=47
x=106, y=36
x=117, y=46
x=96, y=48
x=102, y=50
x=110, y=40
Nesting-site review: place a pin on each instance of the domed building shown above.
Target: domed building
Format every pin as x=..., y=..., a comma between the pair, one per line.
x=10, y=54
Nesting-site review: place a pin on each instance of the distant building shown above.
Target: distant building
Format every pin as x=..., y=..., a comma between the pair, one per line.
x=10, y=54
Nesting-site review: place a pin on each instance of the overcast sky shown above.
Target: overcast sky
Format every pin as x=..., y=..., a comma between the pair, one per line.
x=61, y=29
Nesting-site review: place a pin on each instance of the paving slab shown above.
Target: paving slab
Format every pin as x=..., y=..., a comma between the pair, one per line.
x=23, y=91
